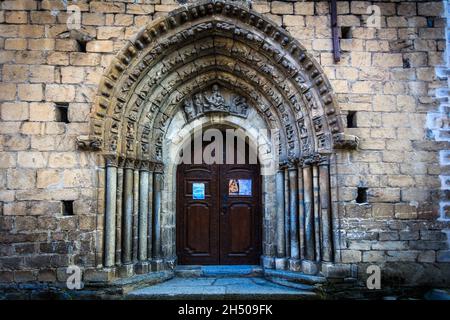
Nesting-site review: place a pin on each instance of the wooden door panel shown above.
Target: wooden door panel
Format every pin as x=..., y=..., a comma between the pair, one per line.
x=198, y=239
x=197, y=221
x=240, y=228
x=240, y=220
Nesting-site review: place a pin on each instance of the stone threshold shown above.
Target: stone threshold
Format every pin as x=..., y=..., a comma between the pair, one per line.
x=187, y=271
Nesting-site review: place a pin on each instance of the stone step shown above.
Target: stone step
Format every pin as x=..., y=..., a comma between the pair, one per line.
x=218, y=271
x=293, y=277
x=205, y=288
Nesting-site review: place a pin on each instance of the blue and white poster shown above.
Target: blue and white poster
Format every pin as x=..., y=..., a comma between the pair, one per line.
x=240, y=187
x=198, y=191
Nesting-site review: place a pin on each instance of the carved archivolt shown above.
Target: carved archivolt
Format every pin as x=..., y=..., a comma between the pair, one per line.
x=213, y=56
x=214, y=101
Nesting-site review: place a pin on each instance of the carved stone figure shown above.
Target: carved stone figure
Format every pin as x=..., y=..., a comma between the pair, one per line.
x=240, y=105
x=189, y=109
x=216, y=100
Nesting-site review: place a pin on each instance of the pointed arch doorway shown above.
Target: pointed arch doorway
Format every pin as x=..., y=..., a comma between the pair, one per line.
x=219, y=218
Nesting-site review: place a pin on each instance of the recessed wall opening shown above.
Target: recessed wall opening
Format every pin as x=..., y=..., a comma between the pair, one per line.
x=430, y=22
x=351, y=119
x=406, y=63
x=346, y=32
x=62, y=112
x=362, y=195
x=67, y=207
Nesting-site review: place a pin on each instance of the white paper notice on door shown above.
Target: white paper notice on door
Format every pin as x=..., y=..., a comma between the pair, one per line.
x=198, y=191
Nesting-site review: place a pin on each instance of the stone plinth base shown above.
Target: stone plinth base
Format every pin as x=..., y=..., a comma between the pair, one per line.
x=294, y=264
x=280, y=263
x=309, y=267
x=142, y=267
x=157, y=265
x=126, y=270
x=267, y=262
x=99, y=275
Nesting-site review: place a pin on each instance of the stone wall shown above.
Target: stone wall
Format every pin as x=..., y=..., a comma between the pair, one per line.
x=386, y=80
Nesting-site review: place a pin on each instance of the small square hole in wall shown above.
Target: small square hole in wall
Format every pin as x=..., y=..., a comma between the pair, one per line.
x=430, y=22
x=67, y=207
x=62, y=112
x=362, y=195
x=81, y=45
x=351, y=119
x=346, y=32
x=406, y=63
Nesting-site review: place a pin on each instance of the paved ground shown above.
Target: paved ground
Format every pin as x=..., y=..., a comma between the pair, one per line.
x=219, y=288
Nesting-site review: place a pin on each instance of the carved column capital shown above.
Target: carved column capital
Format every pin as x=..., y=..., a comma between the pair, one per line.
x=111, y=160
x=283, y=165
x=311, y=159
x=292, y=163
x=324, y=160
x=158, y=167
x=121, y=161
x=144, y=165
x=129, y=163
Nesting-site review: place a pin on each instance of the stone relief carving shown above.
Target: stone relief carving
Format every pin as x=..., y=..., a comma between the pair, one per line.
x=89, y=143
x=289, y=76
x=214, y=100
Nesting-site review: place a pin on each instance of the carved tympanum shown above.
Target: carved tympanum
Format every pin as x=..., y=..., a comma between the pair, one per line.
x=216, y=99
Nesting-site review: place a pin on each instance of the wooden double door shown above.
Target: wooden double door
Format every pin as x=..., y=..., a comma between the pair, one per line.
x=218, y=214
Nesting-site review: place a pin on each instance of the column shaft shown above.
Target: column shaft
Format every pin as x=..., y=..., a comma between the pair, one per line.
x=287, y=218
x=324, y=182
x=143, y=214
x=127, y=218
x=157, y=186
x=150, y=216
x=280, y=239
x=293, y=209
x=301, y=214
x=110, y=215
x=316, y=212
x=135, y=214
x=309, y=215
x=119, y=215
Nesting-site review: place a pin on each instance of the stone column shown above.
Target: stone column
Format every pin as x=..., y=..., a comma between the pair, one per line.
x=324, y=184
x=157, y=262
x=150, y=213
x=309, y=215
x=127, y=218
x=316, y=211
x=119, y=204
x=301, y=213
x=280, y=260
x=294, y=262
x=287, y=216
x=135, y=212
x=142, y=267
x=110, y=210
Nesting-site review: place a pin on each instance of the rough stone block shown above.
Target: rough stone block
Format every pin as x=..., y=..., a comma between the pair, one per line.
x=30, y=92
x=99, y=46
x=14, y=111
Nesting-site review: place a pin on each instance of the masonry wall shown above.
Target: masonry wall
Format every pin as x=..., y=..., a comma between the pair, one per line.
x=387, y=75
